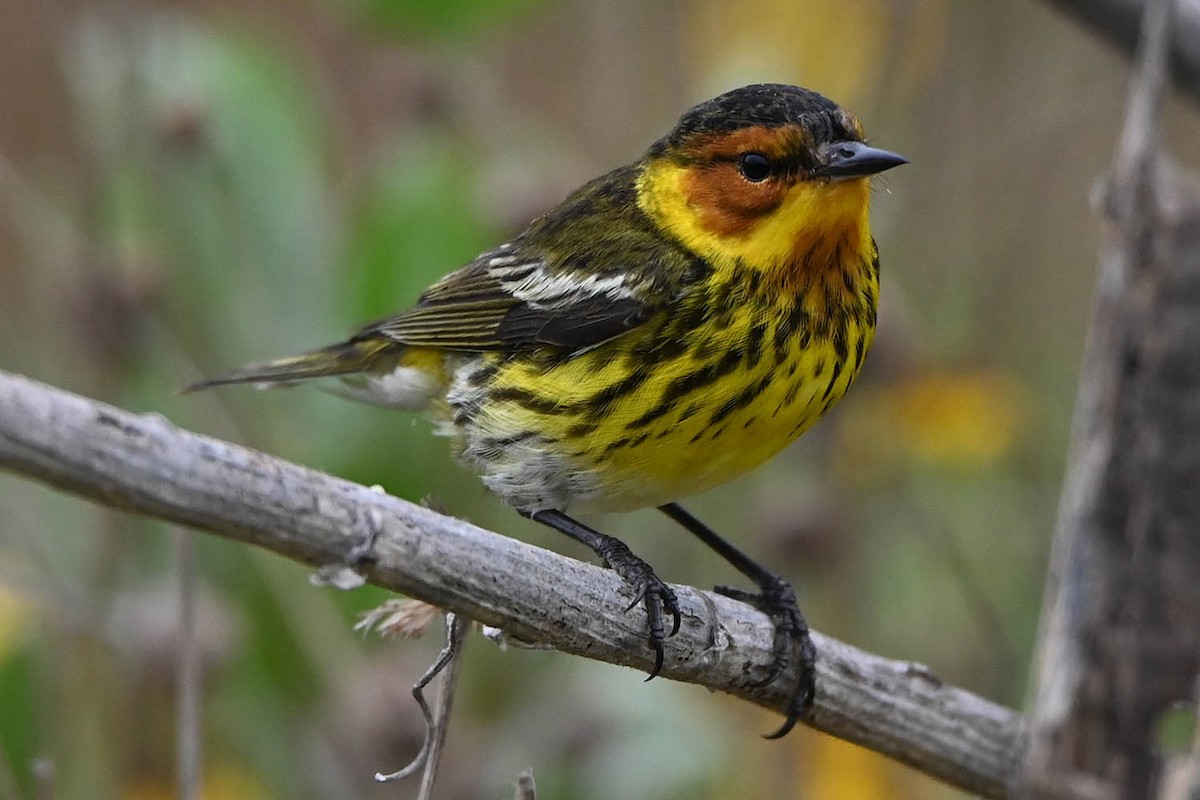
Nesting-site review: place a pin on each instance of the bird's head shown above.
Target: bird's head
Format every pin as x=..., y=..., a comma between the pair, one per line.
x=762, y=172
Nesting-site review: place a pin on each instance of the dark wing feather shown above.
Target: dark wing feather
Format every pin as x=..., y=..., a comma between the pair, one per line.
x=542, y=290
x=586, y=323
x=482, y=308
x=468, y=325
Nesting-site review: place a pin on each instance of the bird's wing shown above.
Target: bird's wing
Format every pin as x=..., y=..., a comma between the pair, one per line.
x=513, y=299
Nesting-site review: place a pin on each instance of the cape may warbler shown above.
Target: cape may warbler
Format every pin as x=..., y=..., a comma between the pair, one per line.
x=667, y=327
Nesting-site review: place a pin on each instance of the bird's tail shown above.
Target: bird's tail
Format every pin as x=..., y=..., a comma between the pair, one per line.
x=346, y=358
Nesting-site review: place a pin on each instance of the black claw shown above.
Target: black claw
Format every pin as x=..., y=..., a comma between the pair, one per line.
x=656, y=597
x=673, y=608
x=654, y=625
x=806, y=688
x=670, y=604
x=639, y=597
x=658, y=660
x=778, y=601
x=649, y=590
x=792, y=718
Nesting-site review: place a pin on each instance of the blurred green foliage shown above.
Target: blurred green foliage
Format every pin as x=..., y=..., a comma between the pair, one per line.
x=416, y=212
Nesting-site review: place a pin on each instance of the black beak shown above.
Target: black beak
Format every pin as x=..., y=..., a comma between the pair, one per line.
x=846, y=160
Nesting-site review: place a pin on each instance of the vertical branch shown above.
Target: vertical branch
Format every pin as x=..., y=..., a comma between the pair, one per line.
x=1120, y=639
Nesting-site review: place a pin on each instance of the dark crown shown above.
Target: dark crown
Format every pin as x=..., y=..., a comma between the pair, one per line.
x=767, y=104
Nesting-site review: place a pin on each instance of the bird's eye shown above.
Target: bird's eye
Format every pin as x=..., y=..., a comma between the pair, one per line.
x=755, y=167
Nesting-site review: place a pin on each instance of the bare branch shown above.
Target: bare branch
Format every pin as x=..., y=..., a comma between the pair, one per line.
x=144, y=464
x=1119, y=23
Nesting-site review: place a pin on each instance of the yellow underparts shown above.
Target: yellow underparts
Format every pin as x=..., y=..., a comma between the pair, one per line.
x=695, y=444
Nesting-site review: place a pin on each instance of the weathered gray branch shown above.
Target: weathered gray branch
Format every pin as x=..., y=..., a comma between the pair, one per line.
x=144, y=464
x=1121, y=631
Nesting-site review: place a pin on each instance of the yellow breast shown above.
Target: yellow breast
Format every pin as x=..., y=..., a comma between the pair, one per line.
x=689, y=401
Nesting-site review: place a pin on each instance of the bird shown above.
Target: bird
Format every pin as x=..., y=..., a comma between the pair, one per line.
x=667, y=327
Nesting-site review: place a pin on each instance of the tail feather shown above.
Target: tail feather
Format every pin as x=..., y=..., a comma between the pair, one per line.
x=346, y=358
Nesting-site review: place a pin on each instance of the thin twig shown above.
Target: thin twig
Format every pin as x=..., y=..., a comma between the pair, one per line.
x=436, y=722
x=456, y=632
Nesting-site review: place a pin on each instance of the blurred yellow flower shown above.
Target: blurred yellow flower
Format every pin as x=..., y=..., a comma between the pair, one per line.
x=837, y=770
x=950, y=419
x=962, y=418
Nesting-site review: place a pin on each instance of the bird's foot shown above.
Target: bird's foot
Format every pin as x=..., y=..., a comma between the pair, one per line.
x=651, y=591
x=778, y=601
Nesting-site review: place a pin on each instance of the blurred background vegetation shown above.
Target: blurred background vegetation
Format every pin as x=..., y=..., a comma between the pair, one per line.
x=188, y=185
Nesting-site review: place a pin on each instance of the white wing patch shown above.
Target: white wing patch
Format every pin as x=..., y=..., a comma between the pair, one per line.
x=500, y=261
x=541, y=289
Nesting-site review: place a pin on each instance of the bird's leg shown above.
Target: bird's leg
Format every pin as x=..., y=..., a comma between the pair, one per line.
x=775, y=599
x=649, y=589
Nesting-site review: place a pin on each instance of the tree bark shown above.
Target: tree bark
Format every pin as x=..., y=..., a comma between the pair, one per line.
x=1121, y=634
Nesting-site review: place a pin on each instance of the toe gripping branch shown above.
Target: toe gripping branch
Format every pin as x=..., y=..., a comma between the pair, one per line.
x=777, y=600
x=649, y=590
